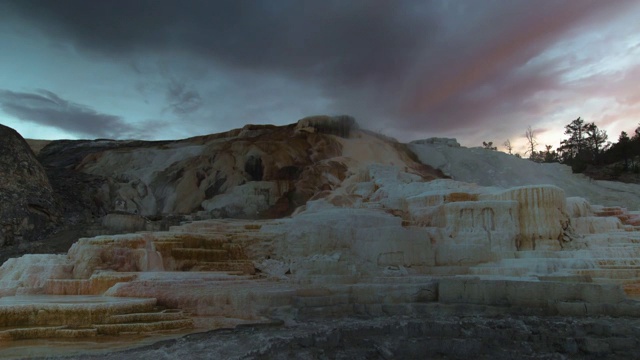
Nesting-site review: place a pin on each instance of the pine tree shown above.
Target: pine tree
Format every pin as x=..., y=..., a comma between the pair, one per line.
x=623, y=149
x=596, y=140
x=575, y=145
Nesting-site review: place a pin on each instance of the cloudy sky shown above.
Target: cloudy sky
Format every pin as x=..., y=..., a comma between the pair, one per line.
x=477, y=70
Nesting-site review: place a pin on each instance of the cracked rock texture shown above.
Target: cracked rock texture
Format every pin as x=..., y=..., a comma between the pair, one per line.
x=28, y=209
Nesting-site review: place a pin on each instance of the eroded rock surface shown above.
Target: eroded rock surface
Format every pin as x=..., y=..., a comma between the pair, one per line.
x=28, y=209
x=371, y=233
x=259, y=171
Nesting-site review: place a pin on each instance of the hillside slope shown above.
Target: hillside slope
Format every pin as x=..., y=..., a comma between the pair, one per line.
x=259, y=171
x=494, y=168
x=28, y=209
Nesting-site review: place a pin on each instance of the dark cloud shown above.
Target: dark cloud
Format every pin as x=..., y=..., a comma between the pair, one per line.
x=46, y=108
x=439, y=65
x=181, y=99
x=350, y=41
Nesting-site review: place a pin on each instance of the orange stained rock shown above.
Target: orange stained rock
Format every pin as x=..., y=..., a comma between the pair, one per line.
x=632, y=289
x=460, y=196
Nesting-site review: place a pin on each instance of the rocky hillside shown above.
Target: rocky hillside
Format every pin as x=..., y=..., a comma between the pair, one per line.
x=253, y=172
x=256, y=172
x=28, y=208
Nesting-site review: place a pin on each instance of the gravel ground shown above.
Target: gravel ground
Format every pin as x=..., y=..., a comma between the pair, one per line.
x=444, y=332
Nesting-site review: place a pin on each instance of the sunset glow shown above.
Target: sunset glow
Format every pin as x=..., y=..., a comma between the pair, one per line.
x=476, y=71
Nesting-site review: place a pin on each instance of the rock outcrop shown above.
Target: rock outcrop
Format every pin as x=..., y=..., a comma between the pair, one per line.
x=369, y=232
x=256, y=172
x=28, y=209
x=259, y=171
x=383, y=241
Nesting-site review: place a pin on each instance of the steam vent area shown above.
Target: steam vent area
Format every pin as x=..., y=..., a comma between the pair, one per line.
x=278, y=227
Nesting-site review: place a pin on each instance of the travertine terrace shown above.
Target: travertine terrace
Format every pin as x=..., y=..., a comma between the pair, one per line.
x=380, y=234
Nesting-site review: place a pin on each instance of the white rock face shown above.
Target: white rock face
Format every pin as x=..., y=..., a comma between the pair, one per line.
x=248, y=200
x=378, y=235
x=257, y=171
x=578, y=207
x=597, y=225
x=457, y=223
x=541, y=213
x=29, y=273
x=495, y=168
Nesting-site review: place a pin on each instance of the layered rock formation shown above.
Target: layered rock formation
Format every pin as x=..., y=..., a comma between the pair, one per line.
x=259, y=171
x=371, y=232
x=254, y=172
x=28, y=209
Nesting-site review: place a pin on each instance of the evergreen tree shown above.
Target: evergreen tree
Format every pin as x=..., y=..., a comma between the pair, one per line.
x=576, y=143
x=550, y=156
x=546, y=156
x=622, y=149
x=596, y=140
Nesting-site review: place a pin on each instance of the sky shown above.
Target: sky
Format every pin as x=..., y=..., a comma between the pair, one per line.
x=476, y=70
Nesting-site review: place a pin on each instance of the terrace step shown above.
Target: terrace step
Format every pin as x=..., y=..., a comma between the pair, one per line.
x=47, y=316
x=41, y=332
x=95, y=285
x=207, y=255
x=139, y=328
x=164, y=315
x=614, y=274
x=240, y=266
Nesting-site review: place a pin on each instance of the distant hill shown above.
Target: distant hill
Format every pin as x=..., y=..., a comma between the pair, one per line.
x=493, y=168
x=37, y=145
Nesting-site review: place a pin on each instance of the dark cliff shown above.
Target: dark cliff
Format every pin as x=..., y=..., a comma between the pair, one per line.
x=28, y=209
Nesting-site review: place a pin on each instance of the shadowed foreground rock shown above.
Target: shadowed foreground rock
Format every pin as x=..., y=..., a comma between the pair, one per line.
x=28, y=210
x=430, y=332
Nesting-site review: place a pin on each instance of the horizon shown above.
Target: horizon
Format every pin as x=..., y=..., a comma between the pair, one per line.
x=410, y=70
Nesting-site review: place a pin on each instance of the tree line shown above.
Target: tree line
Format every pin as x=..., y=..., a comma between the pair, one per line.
x=585, y=145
